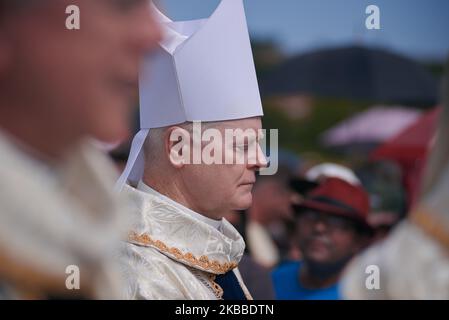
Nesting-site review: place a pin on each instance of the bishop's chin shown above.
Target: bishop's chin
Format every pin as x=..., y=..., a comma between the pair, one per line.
x=245, y=201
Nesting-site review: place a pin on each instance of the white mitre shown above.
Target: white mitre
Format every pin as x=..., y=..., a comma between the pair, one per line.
x=203, y=70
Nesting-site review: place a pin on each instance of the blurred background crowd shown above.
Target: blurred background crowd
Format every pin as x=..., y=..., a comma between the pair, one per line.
x=355, y=108
x=355, y=105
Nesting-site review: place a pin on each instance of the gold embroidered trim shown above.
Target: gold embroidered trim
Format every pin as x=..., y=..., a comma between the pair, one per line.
x=202, y=262
x=218, y=291
x=431, y=226
x=243, y=286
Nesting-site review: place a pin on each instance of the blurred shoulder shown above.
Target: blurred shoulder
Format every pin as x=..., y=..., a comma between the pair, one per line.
x=411, y=266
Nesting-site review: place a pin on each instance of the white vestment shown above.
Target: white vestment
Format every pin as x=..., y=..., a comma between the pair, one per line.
x=56, y=221
x=173, y=255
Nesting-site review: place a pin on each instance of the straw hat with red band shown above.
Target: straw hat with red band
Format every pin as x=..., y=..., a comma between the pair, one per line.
x=338, y=197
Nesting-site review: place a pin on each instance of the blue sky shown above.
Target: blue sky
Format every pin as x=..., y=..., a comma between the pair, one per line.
x=417, y=28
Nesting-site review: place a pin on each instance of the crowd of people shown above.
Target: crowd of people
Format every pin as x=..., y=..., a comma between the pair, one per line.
x=175, y=226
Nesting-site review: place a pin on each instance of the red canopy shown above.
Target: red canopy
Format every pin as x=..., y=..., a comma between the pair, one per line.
x=409, y=149
x=413, y=142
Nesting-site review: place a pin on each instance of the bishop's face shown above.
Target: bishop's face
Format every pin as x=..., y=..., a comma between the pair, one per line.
x=216, y=189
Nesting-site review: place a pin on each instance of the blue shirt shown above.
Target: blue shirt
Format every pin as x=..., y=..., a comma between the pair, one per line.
x=287, y=286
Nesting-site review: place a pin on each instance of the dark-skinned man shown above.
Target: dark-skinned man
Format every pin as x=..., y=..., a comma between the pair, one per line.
x=330, y=229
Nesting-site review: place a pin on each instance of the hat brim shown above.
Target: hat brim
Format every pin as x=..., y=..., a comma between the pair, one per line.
x=333, y=210
x=302, y=186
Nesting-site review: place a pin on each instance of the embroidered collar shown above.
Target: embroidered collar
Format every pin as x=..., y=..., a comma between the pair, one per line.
x=159, y=224
x=145, y=188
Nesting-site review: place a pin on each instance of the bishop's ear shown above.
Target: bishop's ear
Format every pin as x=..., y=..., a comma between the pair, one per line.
x=177, y=146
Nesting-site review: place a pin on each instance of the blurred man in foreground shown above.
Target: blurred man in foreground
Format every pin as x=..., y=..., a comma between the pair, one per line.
x=331, y=228
x=58, y=88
